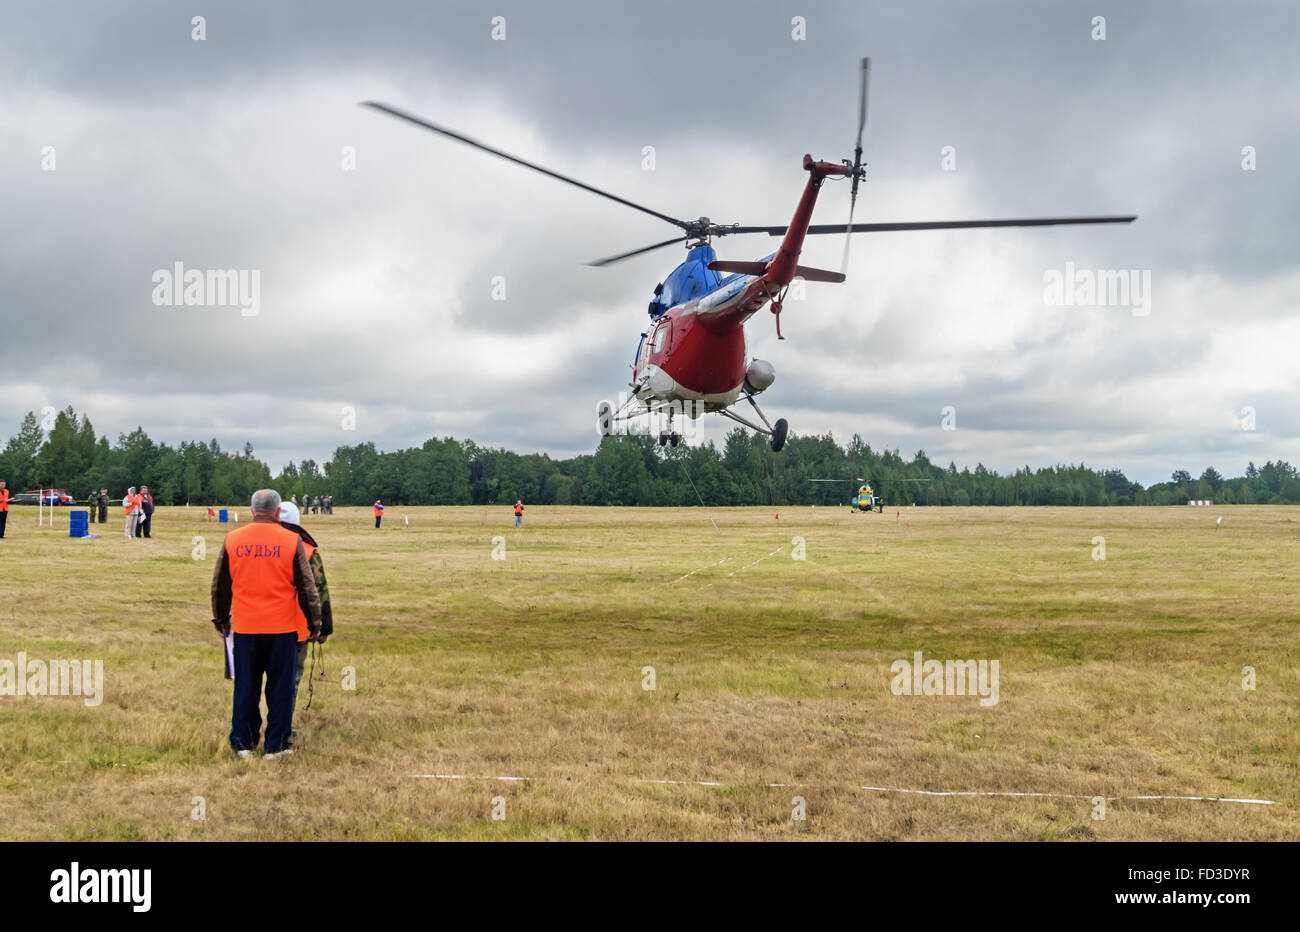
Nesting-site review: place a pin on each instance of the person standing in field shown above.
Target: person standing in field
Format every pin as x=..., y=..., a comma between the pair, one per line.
x=91, y=500
x=131, y=505
x=4, y=507
x=519, y=513
x=289, y=517
x=263, y=592
x=103, y=506
x=379, y=513
x=146, y=512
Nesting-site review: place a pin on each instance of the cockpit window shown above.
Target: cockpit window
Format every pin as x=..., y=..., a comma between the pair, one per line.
x=660, y=335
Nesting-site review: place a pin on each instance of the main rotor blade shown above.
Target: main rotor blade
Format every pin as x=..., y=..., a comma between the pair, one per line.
x=610, y=260
x=934, y=225
x=962, y=224
x=425, y=124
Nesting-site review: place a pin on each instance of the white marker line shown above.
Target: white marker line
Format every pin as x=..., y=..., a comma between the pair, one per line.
x=759, y=560
x=701, y=569
x=1207, y=799
x=890, y=789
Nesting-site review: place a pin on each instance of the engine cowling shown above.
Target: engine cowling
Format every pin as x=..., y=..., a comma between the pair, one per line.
x=759, y=375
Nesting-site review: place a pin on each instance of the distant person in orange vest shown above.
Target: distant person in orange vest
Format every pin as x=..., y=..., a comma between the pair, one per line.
x=379, y=513
x=131, y=504
x=263, y=595
x=290, y=518
x=4, y=507
x=519, y=513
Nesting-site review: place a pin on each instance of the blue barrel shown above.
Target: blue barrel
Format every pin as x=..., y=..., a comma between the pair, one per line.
x=223, y=516
x=78, y=524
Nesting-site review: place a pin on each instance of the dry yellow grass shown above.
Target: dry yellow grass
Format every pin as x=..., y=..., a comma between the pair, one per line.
x=1118, y=678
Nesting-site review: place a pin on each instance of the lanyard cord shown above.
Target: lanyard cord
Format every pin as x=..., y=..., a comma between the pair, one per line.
x=315, y=649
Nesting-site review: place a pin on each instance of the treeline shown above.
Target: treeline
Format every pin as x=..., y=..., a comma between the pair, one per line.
x=623, y=470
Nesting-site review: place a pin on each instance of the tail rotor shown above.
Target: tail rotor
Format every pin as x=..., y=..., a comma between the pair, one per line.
x=858, y=171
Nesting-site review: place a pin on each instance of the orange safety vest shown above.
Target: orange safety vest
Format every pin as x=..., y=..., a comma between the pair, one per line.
x=519, y=509
x=4, y=499
x=264, y=599
x=130, y=503
x=379, y=509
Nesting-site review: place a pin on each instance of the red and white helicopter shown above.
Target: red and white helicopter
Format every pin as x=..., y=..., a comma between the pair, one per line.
x=692, y=359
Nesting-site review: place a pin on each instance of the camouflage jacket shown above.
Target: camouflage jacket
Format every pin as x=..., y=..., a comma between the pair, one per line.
x=318, y=573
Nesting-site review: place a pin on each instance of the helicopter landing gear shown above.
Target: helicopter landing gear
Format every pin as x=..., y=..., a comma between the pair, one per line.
x=777, y=433
x=669, y=437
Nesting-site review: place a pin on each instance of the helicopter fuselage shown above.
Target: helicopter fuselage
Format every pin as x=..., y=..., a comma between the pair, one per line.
x=694, y=349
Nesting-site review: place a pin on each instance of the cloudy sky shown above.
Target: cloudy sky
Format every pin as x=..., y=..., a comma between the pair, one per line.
x=376, y=281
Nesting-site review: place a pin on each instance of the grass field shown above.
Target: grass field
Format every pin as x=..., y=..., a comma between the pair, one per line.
x=1119, y=677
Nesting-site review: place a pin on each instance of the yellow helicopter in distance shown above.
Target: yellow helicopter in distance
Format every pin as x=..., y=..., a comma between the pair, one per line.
x=866, y=499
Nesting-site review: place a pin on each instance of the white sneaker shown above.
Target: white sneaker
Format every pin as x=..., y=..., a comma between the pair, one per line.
x=244, y=753
x=276, y=755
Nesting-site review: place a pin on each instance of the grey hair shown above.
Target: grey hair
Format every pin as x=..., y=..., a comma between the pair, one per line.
x=266, y=502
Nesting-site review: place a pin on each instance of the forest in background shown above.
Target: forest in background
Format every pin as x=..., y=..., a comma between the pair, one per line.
x=627, y=469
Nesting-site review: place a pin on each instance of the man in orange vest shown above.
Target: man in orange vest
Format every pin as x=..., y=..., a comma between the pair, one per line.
x=4, y=507
x=519, y=513
x=131, y=504
x=379, y=513
x=263, y=596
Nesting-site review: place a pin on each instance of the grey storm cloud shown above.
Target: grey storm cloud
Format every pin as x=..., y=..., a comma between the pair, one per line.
x=377, y=285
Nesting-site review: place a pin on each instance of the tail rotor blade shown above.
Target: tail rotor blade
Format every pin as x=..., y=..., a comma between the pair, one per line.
x=857, y=162
x=862, y=116
x=848, y=230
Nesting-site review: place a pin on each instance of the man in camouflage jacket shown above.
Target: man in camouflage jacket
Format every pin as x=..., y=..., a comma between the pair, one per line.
x=289, y=517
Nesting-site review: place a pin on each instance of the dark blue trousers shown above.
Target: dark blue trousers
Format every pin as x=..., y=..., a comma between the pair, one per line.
x=276, y=656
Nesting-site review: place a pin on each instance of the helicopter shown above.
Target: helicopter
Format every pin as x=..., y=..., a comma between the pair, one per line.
x=866, y=500
x=692, y=357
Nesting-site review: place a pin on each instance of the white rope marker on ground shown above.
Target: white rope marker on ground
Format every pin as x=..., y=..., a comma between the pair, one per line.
x=880, y=789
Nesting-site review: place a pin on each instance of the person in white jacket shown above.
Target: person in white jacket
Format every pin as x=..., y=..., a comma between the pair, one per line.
x=131, y=504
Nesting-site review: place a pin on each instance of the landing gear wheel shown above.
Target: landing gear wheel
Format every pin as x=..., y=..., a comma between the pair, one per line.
x=663, y=438
x=674, y=439
x=778, y=434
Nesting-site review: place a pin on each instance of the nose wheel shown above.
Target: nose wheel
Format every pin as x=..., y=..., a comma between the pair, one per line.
x=669, y=437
